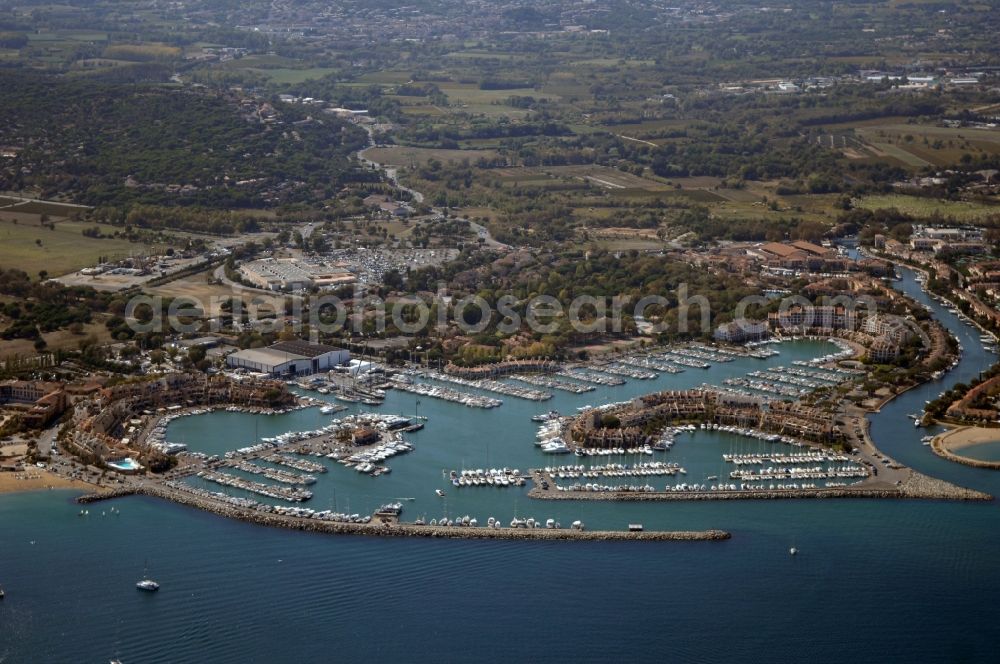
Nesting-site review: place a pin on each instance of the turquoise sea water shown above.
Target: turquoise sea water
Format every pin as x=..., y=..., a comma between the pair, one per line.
x=874, y=580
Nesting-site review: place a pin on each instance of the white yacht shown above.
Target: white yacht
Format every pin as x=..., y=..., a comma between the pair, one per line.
x=148, y=585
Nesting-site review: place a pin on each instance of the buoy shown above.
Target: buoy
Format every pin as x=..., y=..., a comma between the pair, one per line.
x=793, y=551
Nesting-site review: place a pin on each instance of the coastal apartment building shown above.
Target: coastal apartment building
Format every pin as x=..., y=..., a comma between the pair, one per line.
x=192, y=388
x=588, y=430
x=890, y=328
x=827, y=317
x=36, y=403
x=949, y=240
x=883, y=351
x=741, y=331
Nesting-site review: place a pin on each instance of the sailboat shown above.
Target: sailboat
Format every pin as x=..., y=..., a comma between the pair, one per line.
x=147, y=584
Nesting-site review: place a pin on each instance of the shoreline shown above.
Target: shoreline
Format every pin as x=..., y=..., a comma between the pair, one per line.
x=939, y=445
x=39, y=479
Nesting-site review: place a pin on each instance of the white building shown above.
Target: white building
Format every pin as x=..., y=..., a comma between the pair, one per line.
x=742, y=330
x=289, y=358
x=892, y=328
x=292, y=274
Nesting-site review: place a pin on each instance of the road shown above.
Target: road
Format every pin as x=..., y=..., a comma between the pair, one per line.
x=392, y=175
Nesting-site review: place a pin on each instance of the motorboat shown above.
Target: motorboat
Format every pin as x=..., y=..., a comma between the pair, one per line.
x=148, y=585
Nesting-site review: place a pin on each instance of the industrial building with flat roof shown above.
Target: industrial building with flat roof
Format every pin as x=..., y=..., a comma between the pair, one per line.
x=279, y=274
x=289, y=358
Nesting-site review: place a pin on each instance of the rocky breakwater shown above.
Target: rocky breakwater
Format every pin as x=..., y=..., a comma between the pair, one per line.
x=396, y=529
x=939, y=446
x=915, y=486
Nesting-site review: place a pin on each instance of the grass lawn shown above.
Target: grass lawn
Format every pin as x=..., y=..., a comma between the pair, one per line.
x=62, y=250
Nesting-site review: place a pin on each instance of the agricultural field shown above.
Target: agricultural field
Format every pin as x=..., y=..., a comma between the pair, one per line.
x=471, y=99
x=913, y=146
x=402, y=156
x=292, y=76
x=924, y=207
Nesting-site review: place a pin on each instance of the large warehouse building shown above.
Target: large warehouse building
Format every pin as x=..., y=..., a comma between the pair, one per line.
x=289, y=358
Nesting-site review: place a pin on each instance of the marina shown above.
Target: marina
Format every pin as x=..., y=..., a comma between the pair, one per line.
x=592, y=376
x=289, y=494
x=489, y=386
x=447, y=394
x=624, y=370
x=686, y=361
x=554, y=383
x=272, y=474
x=766, y=528
x=494, y=477
x=644, y=362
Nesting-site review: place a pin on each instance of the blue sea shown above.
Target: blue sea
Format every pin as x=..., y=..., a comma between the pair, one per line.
x=874, y=581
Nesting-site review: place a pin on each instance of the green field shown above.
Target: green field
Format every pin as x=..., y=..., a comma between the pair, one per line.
x=925, y=207
x=293, y=76
x=916, y=146
x=405, y=156
x=63, y=250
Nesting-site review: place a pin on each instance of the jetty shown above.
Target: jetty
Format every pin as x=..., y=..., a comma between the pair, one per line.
x=490, y=385
x=391, y=528
x=554, y=383
x=915, y=486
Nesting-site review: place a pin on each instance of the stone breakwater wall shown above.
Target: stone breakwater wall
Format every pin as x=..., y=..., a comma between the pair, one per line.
x=917, y=486
x=939, y=448
x=403, y=529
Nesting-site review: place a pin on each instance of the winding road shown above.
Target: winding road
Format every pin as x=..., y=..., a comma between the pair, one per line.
x=392, y=174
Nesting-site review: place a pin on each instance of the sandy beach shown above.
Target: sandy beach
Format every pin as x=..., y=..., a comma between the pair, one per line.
x=947, y=445
x=37, y=479
x=962, y=437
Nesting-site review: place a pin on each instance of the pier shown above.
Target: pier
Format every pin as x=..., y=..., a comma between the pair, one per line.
x=447, y=394
x=594, y=377
x=650, y=363
x=554, y=383
x=627, y=371
x=490, y=385
x=289, y=494
x=273, y=474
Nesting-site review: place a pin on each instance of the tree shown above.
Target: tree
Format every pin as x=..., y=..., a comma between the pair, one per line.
x=196, y=354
